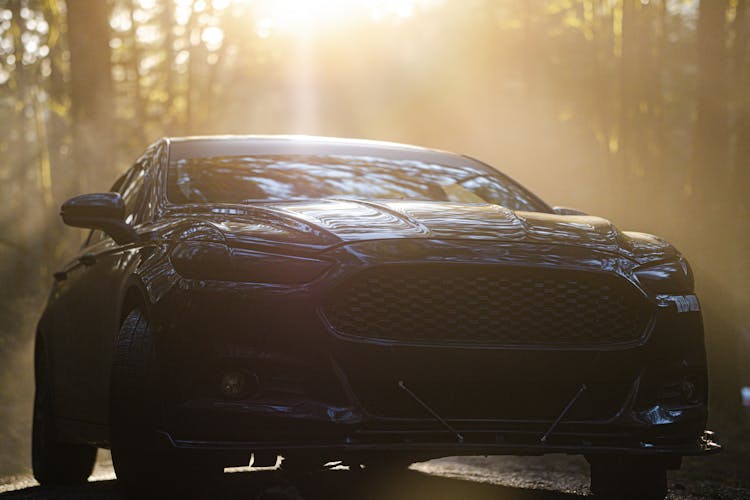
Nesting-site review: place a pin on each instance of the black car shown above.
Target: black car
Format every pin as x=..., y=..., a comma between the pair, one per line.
x=364, y=302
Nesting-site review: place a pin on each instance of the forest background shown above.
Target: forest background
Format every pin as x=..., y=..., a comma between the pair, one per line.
x=636, y=110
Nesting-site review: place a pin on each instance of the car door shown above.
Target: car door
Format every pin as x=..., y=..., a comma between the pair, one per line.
x=94, y=286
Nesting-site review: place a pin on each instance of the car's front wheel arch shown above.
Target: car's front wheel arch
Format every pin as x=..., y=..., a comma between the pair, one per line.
x=133, y=298
x=141, y=458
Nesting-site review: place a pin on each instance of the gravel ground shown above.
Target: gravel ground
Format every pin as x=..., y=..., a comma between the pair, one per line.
x=723, y=476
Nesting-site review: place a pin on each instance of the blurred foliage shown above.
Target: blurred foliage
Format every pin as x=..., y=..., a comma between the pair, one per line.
x=638, y=110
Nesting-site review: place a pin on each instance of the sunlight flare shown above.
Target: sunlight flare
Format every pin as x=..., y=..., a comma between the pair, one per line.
x=305, y=16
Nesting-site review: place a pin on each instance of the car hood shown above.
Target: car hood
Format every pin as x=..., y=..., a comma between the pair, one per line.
x=321, y=224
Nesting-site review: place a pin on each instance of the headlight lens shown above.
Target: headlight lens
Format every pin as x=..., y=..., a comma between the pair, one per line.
x=666, y=277
x=201, y=260
x=216, y=261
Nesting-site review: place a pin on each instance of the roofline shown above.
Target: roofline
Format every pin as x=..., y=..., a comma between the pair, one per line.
x=301, y=138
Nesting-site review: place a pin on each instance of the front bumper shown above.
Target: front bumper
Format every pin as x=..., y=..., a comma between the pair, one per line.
x=320, y=392
x=433, y=444
x=307, y=427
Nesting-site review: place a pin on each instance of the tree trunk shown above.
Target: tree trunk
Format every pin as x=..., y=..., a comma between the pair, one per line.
x=167, y=23
x=741, y=179
x=710, y=205
x=139, y=104
x=711, y=131
x=627, y=48
x=91, y=91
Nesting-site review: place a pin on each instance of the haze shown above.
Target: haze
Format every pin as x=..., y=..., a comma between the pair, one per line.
x=635, y=110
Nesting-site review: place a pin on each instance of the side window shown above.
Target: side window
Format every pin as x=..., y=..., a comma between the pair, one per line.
x=136, y=190
x=158, y=173
x=133, y=194
x=95, y=236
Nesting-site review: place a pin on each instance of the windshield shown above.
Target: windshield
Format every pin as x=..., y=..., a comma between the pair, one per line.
x=248, y=179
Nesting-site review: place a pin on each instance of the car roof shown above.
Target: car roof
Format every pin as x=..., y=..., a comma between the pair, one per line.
x=235, y=145
x=299, y=139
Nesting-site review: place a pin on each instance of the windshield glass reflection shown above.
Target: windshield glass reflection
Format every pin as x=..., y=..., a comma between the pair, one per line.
x=248, y=179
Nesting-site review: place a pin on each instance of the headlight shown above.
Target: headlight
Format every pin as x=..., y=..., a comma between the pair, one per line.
x=202, y=260
x=216, y=261
x=666, y=277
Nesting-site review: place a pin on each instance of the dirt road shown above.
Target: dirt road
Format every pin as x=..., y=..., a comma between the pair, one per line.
x=475, y=478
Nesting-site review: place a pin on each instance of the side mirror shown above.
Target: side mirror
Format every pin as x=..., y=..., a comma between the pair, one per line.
x=105, y=211
x=568, y=211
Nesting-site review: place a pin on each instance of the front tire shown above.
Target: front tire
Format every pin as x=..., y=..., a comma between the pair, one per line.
x=623, y=476
x=54, y=463
x=143, y=462
x=132, y=405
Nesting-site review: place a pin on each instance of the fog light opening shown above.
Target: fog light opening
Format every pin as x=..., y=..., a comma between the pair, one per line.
x=237, y=383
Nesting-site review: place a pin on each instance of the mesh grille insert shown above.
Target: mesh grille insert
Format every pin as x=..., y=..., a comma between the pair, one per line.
x=488, y=305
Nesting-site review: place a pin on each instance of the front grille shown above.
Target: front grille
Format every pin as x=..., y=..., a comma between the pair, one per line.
x=452, y=304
